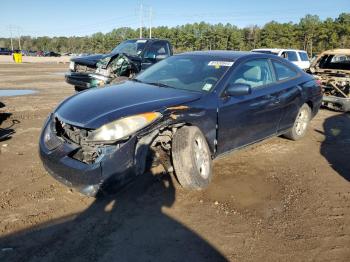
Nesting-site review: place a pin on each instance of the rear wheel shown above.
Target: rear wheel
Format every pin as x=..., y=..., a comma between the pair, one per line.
x=301, y=124
x=191, y=158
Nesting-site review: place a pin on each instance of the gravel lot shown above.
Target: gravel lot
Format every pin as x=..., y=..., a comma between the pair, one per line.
x=276, y=201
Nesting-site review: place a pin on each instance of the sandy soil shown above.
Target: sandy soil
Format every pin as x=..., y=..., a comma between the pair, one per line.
x=276, y=201
x=4, y=59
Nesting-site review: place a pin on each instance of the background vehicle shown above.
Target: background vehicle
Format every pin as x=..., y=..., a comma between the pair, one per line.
x=5, y=51
x=297, y=57
x=52, y=54
x=185, y=110
x=332, y=69
x=39, y=53
x=127, y=59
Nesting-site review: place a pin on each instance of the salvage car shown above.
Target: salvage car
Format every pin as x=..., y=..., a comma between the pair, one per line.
x=297, y=57
x=125, y=61
x=332, y=69
x=182, y=112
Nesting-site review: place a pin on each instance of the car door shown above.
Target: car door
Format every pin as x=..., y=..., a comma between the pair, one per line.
x=304, y=60
x=155, y=52
x=290, y=96
x=292, y=57
x=245, y=119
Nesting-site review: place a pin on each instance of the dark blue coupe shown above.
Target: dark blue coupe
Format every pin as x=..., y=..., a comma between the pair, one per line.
x=182, y=112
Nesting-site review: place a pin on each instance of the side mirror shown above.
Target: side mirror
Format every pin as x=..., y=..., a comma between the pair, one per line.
x=238, y=90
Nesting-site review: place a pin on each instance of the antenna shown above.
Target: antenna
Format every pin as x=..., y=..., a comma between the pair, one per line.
x=150, y=22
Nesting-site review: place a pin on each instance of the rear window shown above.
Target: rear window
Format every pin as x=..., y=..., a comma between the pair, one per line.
x=303, y=56
x=264, y=52
x=283, y=71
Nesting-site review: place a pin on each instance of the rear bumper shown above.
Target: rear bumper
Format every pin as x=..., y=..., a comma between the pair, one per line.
x=337, y=103
x=86, y=80
x=115, y=165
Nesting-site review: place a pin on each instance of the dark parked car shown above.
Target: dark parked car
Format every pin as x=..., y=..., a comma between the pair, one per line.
x=126, y=60
x=52, y=54
x=188, y=109
x=5, y=51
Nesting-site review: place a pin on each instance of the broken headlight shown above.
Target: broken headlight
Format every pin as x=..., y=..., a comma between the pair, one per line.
x=72, y=66
x=123, y=127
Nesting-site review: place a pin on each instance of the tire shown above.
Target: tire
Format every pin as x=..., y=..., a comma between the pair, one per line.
x=191, y=158
x=301, y=124
x=77, y=89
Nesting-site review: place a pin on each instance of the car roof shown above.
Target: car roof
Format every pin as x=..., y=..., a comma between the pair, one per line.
x=147, y=39
x=277, y=50
x=233, y=55
x=336, y=52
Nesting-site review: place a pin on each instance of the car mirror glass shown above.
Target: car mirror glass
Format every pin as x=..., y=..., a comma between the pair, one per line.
x=238, y=90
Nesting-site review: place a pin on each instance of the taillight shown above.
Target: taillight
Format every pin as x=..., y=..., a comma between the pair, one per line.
x=318, y=82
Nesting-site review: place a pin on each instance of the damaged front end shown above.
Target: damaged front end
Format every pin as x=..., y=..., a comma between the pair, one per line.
x=111, y=69
x=332, y=69
x=94, y=167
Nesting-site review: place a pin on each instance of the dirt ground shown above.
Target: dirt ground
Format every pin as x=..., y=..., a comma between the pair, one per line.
x=276, y=201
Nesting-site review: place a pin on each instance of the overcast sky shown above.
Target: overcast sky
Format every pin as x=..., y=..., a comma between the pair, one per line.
x=84, y=17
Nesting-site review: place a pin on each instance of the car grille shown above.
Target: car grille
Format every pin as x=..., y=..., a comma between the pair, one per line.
x=84, y=69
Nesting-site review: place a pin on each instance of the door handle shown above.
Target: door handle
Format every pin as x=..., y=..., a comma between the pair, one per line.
x=274, y=99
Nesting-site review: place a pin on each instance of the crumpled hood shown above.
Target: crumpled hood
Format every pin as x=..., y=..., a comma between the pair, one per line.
x=96, y=107
x=90, y=60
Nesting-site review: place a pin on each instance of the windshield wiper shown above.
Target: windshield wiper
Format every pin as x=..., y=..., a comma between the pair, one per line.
x=136, y=80
x=158, y=84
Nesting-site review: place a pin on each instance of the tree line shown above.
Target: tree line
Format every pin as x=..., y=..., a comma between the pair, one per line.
x=311, y=34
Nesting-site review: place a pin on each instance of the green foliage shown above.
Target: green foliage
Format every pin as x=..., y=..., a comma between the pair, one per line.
x=310, y=34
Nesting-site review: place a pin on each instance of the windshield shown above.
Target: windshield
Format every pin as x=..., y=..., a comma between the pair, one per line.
x=130, y=47
x=189, y=72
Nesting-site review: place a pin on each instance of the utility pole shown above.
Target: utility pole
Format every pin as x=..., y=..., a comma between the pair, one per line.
x=19, y=39
x=10, y=27
x=150, y=22
x=141, y=19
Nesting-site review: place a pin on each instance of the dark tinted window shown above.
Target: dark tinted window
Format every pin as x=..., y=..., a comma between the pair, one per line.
x=290, y=55
x=341, y=62
x=255, y=73
x=303, y=56
x=264, y=52
x=158, y=49
x=283, y=71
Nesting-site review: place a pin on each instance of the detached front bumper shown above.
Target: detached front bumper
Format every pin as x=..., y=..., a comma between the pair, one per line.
x=114, y=166
x=83, y=81
x=337, y=103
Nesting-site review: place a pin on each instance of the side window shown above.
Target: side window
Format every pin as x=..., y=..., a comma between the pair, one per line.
x=290, y=55
x=255, y=73
x=157, y=50
x=303, y=56
x=283, y=72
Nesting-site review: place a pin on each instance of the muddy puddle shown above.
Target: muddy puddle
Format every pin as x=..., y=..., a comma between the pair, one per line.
x=18, y=92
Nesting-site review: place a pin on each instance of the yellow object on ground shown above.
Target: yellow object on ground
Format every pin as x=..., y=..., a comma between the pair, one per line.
x=17, y=57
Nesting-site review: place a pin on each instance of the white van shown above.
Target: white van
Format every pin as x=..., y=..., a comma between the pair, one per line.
x=297, y=57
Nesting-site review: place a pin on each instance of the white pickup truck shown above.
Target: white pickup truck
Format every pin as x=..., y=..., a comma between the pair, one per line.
x=297, y=57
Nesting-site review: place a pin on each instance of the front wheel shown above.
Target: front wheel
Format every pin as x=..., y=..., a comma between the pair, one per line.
x=191, y=158
x=301, y=124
